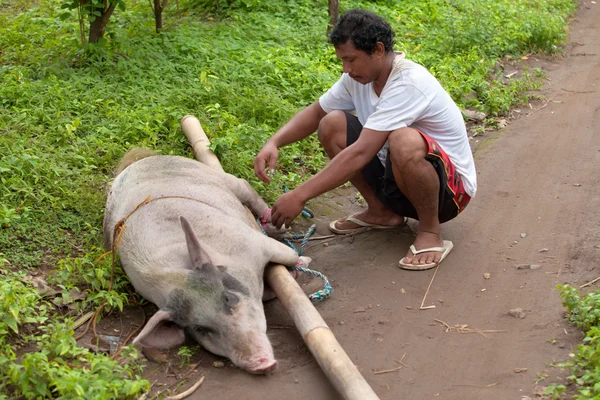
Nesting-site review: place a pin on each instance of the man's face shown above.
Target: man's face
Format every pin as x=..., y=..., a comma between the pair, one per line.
x=361, y=67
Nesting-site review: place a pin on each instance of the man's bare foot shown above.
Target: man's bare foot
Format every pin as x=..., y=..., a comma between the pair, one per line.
x=425, y=240
x=383, y=218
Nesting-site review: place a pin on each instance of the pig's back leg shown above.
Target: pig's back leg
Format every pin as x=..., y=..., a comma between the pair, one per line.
x=280, y=253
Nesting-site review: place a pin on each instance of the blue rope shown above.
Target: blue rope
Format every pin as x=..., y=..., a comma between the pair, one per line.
x=322, y=294
x=319, y=295
x=304, y=238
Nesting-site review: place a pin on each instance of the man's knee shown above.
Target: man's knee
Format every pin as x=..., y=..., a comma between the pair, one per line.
x=331, y=125
x=406, y=145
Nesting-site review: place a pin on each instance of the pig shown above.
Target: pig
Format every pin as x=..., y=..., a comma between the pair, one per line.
x=195, y=251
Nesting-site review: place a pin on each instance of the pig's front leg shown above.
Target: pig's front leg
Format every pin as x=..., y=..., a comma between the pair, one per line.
x=248, y=197
x=246, y=194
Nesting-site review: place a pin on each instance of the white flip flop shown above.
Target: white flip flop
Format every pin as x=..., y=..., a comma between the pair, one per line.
x=362, y=226
x=445, y=250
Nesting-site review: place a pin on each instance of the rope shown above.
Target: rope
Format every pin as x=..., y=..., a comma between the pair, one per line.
x=319, y=295
x=322, y=294
x=304, y=238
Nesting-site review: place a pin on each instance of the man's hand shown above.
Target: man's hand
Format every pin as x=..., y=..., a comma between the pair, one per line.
x=267, y=156
x=287, y=207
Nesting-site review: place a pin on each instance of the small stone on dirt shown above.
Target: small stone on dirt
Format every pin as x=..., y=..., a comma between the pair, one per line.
x=325, y=244
x=519, y=370
x=483, y=290
x=523, y=266
x=384, y=321
x=544, y=250
x=370, y=306
x=539, y=391
x=523, y=235
x=218, y=364
x=77, y=295
x=402, y=290
x=487, y=275
x=341, y=323
x=517, y=313
x=360, y=309
x=42, y=287
x=535, y=266
x=409, y=308
x=474, y=115
x=154, y=355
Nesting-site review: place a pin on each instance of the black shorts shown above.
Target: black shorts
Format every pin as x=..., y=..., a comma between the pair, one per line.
x=452, y=199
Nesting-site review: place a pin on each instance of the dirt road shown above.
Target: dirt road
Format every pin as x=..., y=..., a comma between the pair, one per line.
x=538, y=189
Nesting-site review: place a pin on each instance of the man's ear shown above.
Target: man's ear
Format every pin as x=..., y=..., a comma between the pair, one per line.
x=379, y=50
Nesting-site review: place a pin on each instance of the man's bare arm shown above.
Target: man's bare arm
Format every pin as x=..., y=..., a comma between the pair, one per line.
x=342, y=167
x=300, y=126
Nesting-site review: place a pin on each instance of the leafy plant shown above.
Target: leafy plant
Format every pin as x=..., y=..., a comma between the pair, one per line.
x=59, y=368
x=585, y=363
x=185, y=354
x=68, y=114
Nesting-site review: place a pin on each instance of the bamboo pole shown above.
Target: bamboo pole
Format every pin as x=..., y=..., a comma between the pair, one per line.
x=199, y=141
x=330, y=355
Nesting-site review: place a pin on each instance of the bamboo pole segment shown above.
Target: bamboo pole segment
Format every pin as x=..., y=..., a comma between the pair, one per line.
x=330, y=355
x=199, y=141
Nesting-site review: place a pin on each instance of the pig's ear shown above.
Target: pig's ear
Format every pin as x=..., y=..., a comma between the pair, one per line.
x=197, y=255
x=159, y=333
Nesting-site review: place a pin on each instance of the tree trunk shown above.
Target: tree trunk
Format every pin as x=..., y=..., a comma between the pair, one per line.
x=333, y=10
x=159, y=6
x=98, y=25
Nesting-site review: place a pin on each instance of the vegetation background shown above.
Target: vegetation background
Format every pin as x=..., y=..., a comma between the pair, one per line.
x=70, y=110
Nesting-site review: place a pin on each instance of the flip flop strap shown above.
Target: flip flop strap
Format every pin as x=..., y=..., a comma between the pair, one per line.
x=431, y=249
x=358, y=221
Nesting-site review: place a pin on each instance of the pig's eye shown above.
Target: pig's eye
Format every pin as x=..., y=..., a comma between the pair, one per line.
x=203, y=330
x=230, y=299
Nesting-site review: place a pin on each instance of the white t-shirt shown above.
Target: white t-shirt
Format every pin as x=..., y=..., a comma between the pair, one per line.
x=411, y=97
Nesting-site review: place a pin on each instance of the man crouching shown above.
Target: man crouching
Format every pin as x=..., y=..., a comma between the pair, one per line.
x=392, y=130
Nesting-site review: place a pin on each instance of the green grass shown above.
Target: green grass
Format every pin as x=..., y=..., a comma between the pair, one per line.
x=584, y=312
x=68, y=114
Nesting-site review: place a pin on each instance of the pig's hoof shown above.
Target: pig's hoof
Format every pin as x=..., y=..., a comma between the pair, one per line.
x=261, y=366
x=303, y=262
x=272, y=231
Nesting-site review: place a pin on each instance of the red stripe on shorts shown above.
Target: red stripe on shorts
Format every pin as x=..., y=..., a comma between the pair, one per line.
x=454, y=181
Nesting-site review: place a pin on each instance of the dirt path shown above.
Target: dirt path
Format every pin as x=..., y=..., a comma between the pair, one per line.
x=539, y=177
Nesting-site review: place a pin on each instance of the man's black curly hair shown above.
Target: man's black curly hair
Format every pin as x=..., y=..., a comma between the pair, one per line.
x=365, y=29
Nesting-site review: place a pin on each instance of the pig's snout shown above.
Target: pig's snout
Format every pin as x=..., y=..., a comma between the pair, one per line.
x=261, y=365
